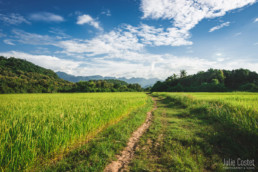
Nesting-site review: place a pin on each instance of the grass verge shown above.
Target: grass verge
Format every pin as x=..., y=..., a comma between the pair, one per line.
x=186, y=137
x=101, y=150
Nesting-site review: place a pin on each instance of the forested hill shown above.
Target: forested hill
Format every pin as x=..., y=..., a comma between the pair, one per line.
x=213, y=80
x=21, y=76
x=15, y=65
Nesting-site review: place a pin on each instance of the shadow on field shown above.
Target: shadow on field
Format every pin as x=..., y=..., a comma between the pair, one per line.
x=216, y=137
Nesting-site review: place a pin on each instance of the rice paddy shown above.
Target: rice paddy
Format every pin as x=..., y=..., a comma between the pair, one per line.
x=200, y=132
x=246, y=100
x=237, y=109
x=34, y=127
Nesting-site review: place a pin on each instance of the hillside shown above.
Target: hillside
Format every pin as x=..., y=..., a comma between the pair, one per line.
x=142, y=81
x=21, y=76
x=213, y=80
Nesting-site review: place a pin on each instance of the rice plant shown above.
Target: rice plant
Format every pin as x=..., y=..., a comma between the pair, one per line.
x=34, y=127
x=237, y=109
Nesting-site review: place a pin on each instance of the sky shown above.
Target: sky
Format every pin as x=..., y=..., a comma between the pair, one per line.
x=131, y=38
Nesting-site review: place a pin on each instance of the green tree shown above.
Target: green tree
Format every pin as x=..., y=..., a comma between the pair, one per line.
x=183, y=73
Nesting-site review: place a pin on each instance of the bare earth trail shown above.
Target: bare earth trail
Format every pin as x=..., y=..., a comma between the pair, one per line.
x=127, y=154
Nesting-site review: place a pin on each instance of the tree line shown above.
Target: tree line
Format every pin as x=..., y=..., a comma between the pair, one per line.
x=110, y=85
x=213, y=80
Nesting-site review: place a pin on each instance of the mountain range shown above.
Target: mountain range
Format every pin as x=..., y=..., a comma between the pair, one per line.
x=142, y=81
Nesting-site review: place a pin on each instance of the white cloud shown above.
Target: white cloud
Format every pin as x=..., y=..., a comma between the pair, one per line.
x=59, y=33
x=8, y=41
x=87, y=19
x=13, y=19
x=218, y=54
x=186, y=14
x=32, y=38
x=220, y=59
x=150, y=35
x=73, y=46
x=46, y=17
x=114, y=42
x=219, y=26
x=84, y=19
x=255, y=20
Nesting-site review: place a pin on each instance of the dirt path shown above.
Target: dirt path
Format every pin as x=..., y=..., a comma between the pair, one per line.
x=126, y=155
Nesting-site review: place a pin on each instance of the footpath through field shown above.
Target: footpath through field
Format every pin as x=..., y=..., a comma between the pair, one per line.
x=103, y=148
x=176, y=135
x=183, y=138
x=123, y=160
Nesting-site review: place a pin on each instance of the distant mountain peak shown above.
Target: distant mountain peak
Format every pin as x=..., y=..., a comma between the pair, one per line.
x=142, y=81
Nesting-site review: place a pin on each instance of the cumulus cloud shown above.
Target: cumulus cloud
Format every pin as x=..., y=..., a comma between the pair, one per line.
x=46, y=17
x=87, y=19
x=255, y=20
x=219, y=26
x=127, y=38
x=186, y=14
x=13, y=19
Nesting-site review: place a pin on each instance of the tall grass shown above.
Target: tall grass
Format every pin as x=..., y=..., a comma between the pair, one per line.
x=246, y=100
x=228, y=129
x=102, y=149
x=38, y=126
x=236, y=110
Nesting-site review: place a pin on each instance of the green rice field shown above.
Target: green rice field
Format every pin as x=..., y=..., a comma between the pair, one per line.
x=246, y=100
x=199, y=131
x=236, y=109
x=34, y=127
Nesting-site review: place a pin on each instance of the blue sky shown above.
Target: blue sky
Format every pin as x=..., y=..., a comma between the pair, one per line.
x=131, y=38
